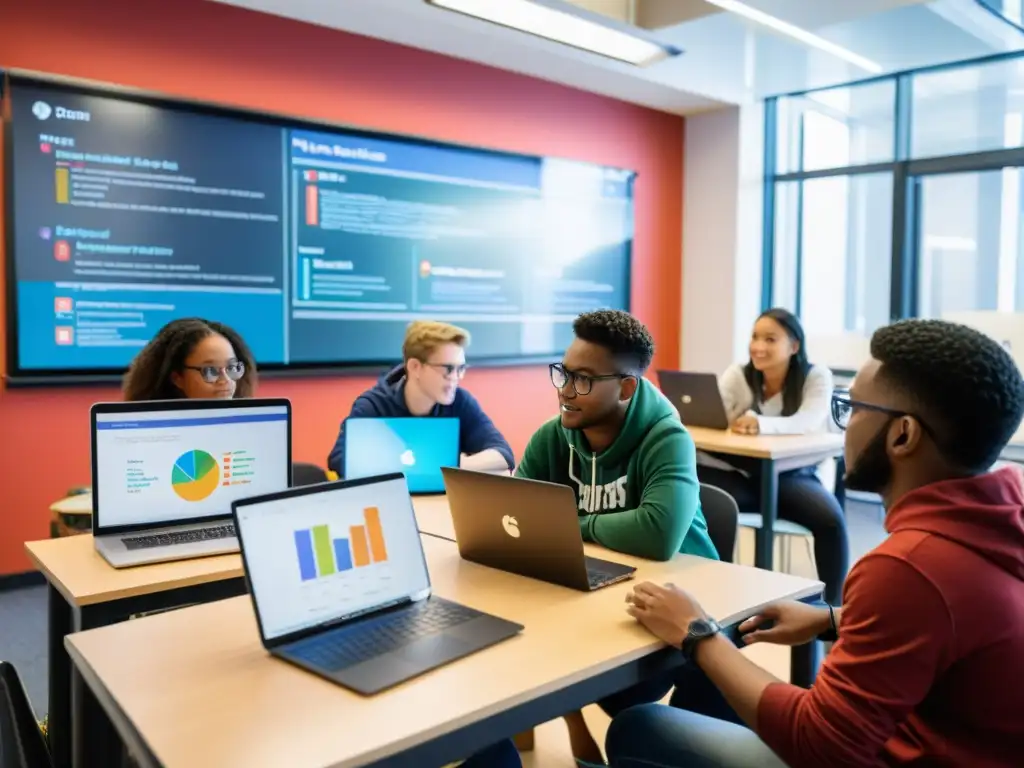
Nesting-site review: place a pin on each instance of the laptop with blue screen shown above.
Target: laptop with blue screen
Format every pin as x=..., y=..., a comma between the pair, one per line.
x=415, y=446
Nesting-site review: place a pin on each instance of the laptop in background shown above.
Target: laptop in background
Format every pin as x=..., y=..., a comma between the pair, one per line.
x=697, y=398
x=340, y=586
x=526, y=527
x=164, y=474
x=415, y=446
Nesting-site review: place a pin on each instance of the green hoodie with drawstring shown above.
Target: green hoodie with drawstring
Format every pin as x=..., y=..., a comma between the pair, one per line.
x=641, y=495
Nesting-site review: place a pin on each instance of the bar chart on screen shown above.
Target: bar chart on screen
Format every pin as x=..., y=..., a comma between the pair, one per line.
x=320, y=554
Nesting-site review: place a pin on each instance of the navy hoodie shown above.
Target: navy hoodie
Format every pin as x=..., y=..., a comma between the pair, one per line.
x=387, y=400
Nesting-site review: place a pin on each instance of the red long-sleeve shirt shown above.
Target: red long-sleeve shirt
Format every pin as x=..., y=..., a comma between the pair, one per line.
x=929, y=667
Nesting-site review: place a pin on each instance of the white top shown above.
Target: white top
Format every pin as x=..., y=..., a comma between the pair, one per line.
x=812, y=417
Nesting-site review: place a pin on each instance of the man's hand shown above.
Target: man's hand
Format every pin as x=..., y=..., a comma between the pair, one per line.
x=666, y=611
x=795, y=624
x=747, y=424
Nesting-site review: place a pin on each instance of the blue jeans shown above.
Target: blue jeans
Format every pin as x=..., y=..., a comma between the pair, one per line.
x=656, y=736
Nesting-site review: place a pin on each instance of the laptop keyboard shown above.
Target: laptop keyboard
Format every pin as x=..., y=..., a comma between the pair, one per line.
x=179, y=537
x=340, y=649
x=597, y=576
x=600, y=578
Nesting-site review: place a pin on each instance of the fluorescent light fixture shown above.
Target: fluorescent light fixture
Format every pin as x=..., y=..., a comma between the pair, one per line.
x=562, y=27
x=791, y=30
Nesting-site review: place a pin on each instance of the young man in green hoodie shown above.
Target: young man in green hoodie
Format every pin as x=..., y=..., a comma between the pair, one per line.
x=618, y=442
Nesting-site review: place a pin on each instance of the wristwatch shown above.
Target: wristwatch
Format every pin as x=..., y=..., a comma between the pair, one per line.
x=699, y=629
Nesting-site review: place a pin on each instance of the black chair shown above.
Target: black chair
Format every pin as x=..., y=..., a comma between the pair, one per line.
x=722, y=515
x=21, y=742
x=307, y=474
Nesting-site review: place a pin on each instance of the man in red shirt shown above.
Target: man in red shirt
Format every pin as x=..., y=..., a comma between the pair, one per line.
x=928, y=667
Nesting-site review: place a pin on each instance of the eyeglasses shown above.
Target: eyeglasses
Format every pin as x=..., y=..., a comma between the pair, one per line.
x=448, y=369
x=211, y=373
x=843, y=408
x=582, y=383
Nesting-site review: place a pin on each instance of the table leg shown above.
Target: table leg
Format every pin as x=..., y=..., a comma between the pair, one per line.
x=61, y=623
x=804, y=661
x=96, y=741
x=764, y=538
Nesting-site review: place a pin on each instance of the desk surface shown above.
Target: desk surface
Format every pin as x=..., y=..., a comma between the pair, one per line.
x=766, y=446
x=73, y=566
x=239, y=707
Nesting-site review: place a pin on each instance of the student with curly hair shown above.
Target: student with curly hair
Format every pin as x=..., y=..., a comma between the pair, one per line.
x=619, y=444
x=926, y=667
x=192, y=358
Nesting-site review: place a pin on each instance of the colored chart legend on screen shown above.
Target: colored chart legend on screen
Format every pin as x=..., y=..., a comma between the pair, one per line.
x=195, y=475
x=319, y=555
x=238, y=467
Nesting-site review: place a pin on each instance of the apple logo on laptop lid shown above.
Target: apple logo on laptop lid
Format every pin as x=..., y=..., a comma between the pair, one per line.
x=511, y=526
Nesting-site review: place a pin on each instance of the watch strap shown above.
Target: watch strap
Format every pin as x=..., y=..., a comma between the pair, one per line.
x=831, y=634
x=694, y=635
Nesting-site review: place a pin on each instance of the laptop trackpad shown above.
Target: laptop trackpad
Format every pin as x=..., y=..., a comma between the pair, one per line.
x=374, y=675
x=430, y=650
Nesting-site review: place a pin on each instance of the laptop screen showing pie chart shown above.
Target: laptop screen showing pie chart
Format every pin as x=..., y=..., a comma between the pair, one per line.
x=195, y=475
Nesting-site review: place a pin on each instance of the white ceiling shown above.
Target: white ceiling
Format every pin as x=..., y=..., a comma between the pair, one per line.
x=726, y=58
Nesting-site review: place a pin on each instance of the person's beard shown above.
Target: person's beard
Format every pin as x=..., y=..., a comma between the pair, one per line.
x=872, y=470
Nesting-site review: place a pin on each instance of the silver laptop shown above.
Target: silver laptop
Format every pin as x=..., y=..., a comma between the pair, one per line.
x=340, y=585
x=697, y=398
x=164, y=474
x=525, y=527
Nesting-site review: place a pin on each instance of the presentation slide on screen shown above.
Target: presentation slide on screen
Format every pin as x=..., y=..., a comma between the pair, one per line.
x=318, y=247
x=187, y=464
x=324, y=556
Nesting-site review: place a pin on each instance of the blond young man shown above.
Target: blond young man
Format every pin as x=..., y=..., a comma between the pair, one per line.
x=427, y=384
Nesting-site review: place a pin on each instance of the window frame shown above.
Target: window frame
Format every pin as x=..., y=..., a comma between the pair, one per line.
x=906, y=176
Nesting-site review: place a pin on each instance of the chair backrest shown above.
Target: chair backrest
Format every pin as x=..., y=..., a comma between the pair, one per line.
x=307, y=474
x=721, y=513
x=21, y=742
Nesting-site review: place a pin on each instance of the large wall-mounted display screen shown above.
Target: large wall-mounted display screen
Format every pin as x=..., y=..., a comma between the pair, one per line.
x=318, y=245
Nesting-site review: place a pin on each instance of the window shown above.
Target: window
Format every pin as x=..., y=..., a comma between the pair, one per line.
x=1010, y=10
x=968, y=109
x=917, y=178
x=836, y=128
x=833, y=237
x=969, y=254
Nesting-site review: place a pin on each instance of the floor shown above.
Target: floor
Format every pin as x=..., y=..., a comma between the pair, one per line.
x=23, y=636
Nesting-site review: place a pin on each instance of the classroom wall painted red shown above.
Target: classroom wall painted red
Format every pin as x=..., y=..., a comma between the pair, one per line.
x=208, y=51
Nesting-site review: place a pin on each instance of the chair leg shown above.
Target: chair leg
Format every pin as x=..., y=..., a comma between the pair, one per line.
x=809, y=543
x=524, y=741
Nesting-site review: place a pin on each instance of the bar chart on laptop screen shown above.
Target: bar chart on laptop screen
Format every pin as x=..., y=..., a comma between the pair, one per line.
x=319, y=554
x=334, y=553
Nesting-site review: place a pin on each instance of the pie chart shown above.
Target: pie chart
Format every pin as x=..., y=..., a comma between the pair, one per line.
x=195, y=475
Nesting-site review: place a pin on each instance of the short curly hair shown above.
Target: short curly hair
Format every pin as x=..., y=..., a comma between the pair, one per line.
x=149, y=376
x=965, y=386
x=627, y=339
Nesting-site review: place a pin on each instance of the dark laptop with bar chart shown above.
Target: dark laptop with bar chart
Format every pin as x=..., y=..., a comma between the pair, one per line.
x=340, y=586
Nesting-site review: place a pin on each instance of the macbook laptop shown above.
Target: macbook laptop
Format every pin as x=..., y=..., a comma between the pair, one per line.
x=526, y=527
x=697, y=398
x=415, y=446
x=164, y=474
x=340, y=586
